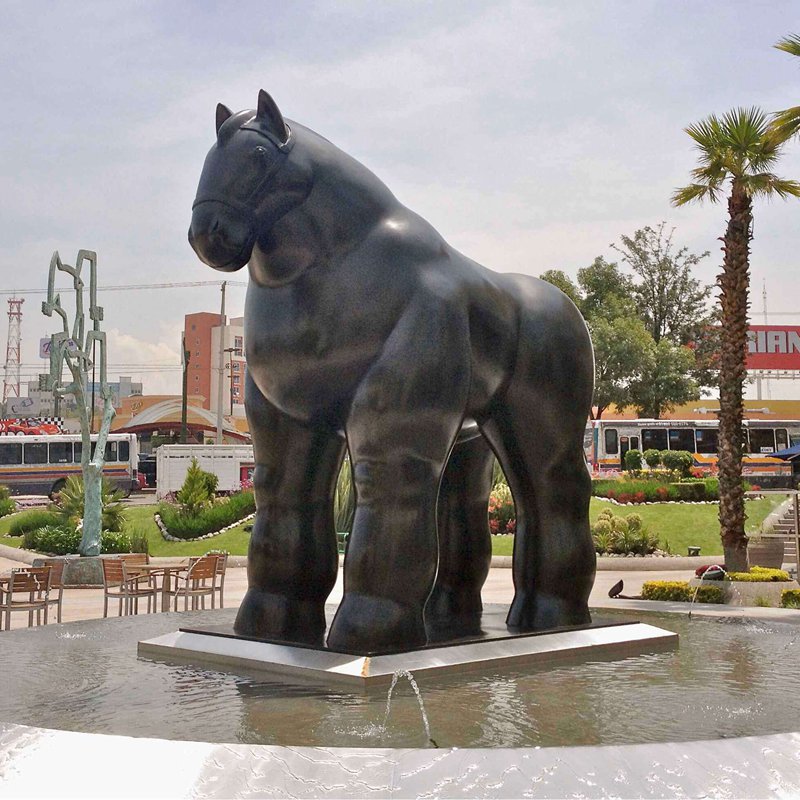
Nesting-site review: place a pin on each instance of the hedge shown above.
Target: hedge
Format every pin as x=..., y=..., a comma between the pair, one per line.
x=209, y=520
x=680, y=591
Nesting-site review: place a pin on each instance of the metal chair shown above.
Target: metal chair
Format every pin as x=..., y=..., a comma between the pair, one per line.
x=126, y=587
x=199, y=582
x=28, y=589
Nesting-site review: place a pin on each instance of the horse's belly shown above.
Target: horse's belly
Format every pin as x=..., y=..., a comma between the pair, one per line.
x=304, y=386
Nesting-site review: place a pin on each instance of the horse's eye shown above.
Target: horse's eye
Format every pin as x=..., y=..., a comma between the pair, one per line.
x=261, y=151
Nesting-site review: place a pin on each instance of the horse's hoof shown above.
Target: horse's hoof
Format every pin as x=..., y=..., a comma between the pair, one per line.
x=375, y=625
x=276, y=617
x=544, y=612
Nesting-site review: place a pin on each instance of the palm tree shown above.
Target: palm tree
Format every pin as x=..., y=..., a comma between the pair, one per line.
x=736, y=154
x=786, y=124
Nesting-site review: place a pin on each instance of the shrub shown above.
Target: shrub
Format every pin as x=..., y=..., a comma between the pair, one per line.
x=641, y=490
x=712, y=488
x=115, y=542
x=652, y=457
x=634, y=522
x=633, y=460
x=691, y=491
x=7, y=505
x=680, y=461
x=196, y=494
x=790, y=598
x=502, y=513
x=139, y=542
x=680, y=591
x=31, y=520
x=57, y=540
x=209, y=519
x=61, y=541
x=615, y=534
x=69, y=505
x=759, y=574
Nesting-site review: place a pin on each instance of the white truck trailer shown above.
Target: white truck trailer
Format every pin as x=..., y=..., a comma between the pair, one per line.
x=232, y=464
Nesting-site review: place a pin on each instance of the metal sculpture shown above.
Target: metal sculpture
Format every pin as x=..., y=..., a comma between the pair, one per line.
x=365, y=330
x=76, y=349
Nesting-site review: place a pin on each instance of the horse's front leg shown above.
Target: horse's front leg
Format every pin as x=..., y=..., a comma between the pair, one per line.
x=292, y=560
x=402, y=425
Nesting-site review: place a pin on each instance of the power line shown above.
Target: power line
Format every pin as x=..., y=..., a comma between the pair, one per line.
x=129, y=287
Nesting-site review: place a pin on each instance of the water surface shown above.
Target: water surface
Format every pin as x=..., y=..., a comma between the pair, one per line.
x=728, y=678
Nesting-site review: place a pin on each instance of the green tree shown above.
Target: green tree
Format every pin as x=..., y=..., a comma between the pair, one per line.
x=665, y=380
x=671, y=303
x=606, y=291
x=786, y=123
x=622, y=353
x=560, y=279
x=196, y=493
x=736, y=154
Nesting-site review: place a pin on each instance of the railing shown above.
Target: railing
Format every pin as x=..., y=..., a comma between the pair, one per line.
x=788, y=526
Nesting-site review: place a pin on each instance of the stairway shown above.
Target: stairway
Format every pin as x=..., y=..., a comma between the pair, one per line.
x=785, y=527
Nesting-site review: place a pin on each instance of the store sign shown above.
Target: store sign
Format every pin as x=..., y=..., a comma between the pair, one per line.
x=44, y=347
x=773, y=347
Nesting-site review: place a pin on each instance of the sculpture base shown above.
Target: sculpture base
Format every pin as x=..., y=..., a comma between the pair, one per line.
x=219, y=646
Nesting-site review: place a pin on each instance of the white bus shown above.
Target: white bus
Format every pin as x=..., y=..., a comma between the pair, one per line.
x=42, y=464
x=607, y=441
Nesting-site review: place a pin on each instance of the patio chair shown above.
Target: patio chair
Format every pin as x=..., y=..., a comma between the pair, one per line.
x=133, y=560
x=56, y=582
x=199, y=582
x=27, y=589
x=222, y=565
x=119, y=584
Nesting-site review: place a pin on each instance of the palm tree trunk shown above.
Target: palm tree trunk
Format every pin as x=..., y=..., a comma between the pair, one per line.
x=734, y=284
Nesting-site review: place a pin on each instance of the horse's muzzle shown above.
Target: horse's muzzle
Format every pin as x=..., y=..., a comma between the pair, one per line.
x=220, y=237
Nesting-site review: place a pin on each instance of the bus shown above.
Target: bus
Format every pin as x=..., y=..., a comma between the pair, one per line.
x=607, y=441
x=42, y=464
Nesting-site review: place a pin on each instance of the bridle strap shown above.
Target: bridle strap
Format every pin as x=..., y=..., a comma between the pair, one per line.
x=283, y=148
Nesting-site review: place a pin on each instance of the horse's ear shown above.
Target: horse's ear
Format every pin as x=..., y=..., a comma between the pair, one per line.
x=270, y=116
x=223, y=113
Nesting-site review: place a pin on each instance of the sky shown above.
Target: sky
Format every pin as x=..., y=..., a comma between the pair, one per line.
x=532, y=135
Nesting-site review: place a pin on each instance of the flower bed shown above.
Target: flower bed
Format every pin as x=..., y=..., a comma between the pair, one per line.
x=211, y=519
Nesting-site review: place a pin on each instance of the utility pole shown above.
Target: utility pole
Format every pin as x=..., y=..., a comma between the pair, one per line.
x=221, y=367
x=185, y=390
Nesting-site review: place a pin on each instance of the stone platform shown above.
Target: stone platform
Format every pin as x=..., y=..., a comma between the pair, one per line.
x=493, y=647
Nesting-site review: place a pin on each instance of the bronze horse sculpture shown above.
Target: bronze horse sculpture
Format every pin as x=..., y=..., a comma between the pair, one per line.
x=365, y=331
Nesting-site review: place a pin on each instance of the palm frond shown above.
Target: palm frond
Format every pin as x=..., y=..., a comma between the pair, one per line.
x=766, y=184
x=706, y=133
x=743, y=129
x=789, y=44
x=785, y=124
x=694, y=192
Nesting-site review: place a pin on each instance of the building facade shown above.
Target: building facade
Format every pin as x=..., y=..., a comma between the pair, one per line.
x=216, y=353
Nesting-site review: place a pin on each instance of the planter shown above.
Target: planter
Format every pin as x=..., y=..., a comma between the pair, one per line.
x=765, y=553
x=750, y=593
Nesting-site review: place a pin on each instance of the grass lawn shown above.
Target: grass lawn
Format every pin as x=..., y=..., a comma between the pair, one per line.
x=678, y=525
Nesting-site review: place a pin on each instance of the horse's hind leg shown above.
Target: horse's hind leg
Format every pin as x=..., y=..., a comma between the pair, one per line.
x=292, y=561
x=465, y=546
x=539, y=441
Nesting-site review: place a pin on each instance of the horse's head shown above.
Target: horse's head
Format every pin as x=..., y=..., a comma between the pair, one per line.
x=237, y=196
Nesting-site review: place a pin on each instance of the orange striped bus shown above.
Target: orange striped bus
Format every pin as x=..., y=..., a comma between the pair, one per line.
x=42, y=464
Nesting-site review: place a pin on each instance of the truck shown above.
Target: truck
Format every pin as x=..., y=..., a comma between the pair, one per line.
x=233, y=465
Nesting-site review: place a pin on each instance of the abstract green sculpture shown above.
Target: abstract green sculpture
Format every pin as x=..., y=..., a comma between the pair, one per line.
x=77, y=355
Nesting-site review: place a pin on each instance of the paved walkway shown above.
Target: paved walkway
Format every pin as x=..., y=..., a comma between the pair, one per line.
x=88, y=603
